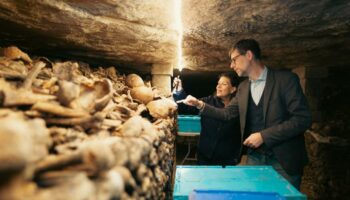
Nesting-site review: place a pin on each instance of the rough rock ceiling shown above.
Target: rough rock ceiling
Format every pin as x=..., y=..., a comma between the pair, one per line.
x=291, y=33
x=134, y=33
x=137, y=33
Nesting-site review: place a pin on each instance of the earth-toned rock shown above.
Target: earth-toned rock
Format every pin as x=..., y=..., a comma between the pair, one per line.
x=136, y=34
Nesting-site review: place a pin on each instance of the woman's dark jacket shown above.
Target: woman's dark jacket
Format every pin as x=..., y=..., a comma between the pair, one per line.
x=219, y=141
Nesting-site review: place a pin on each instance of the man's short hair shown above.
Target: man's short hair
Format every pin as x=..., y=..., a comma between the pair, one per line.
x=244, y=45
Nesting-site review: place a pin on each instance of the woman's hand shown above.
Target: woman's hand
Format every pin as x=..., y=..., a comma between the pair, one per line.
x=177, y=84
x=192, y=101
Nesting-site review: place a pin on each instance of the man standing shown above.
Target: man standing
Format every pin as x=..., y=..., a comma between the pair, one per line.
x=272, y=110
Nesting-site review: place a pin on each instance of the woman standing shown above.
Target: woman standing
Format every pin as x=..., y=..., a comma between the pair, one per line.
x=219, y=141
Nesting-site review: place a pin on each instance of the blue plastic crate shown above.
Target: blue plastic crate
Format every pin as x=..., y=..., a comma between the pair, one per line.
x=233, y=195
x=232, y=178
x=189, y=123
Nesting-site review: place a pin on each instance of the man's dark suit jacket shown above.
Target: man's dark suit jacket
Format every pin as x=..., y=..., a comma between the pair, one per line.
x=286, y=116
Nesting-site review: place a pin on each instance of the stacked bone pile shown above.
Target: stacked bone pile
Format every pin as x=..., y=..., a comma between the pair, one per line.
x=327, y=175
x=68, y=131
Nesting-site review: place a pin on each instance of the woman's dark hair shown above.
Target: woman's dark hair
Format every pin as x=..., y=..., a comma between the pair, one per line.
x=233, y=80
x=232, y=77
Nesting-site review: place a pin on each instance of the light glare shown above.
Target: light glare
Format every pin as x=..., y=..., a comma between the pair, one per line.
x=179, y=29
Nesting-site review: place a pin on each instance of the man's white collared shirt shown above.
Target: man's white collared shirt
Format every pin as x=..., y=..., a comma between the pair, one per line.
x=257, y=86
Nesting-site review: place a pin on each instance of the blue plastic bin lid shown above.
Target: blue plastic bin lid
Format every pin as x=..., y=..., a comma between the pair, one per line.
x=232, y=178
x=233, y=195
x=189, y=117
x=189, y=124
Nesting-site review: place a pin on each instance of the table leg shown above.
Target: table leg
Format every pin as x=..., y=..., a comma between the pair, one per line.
x=187, y=154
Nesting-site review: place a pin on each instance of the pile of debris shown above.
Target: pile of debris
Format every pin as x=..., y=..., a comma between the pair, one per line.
x=68, y=131
x=327, y=174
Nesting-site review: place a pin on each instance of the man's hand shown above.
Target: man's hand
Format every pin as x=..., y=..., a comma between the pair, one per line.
x=254, y=140
x=192, y=101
